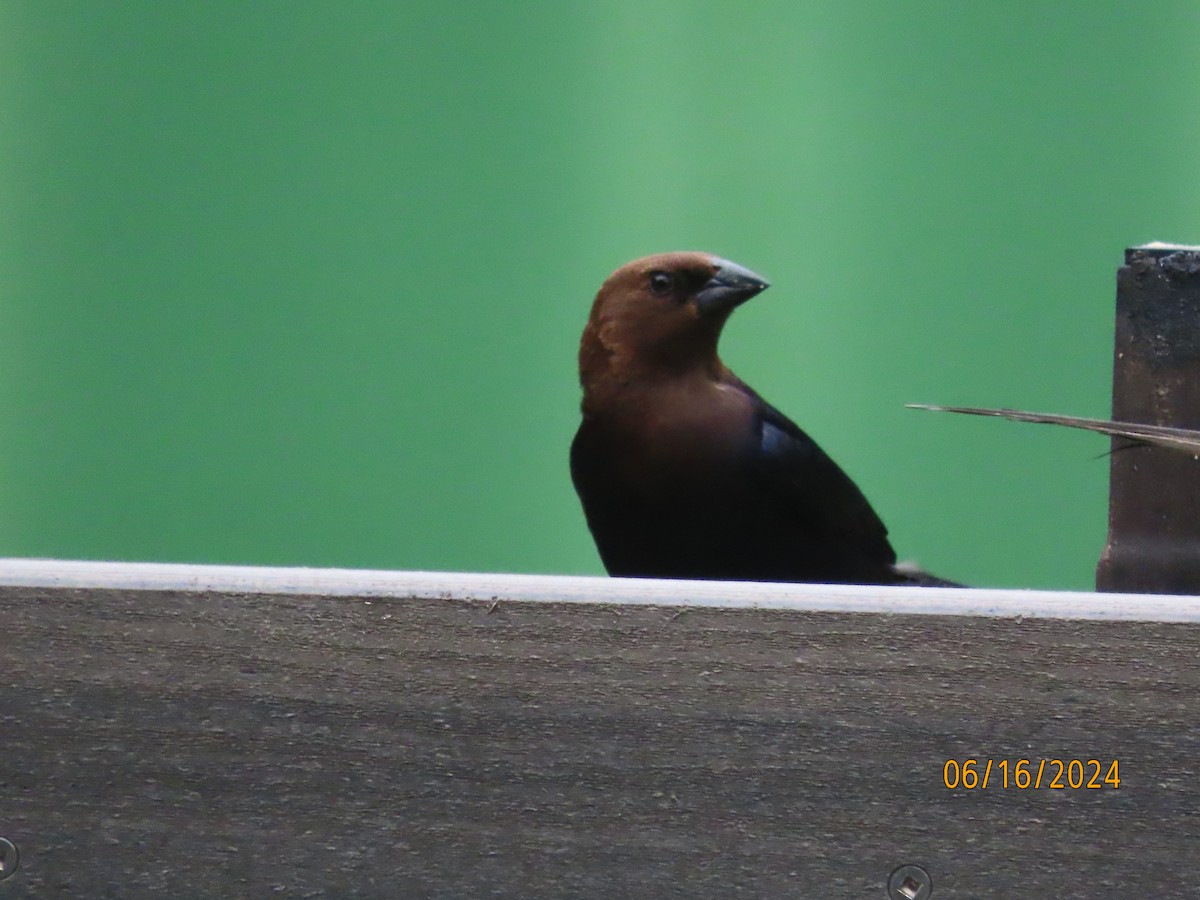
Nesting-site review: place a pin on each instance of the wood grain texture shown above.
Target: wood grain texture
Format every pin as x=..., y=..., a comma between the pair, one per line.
x=237, y=745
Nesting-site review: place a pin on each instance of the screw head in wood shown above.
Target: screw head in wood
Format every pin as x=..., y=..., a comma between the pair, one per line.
x=9, y=858
x=909, y=883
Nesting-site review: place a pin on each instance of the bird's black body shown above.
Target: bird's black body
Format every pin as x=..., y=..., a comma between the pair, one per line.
x=683, y=470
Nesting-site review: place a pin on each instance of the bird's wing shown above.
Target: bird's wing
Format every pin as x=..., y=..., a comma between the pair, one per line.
x=811, y=489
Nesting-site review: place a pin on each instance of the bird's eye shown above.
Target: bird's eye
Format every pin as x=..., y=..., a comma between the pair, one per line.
x=661, y=282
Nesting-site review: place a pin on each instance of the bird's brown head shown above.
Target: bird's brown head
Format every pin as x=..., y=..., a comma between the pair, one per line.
x=662, y=314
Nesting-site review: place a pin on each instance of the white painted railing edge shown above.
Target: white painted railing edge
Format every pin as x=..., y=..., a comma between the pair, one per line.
x=50, y=573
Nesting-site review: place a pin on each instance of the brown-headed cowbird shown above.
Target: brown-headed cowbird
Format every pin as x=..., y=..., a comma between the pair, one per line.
x=683, y=470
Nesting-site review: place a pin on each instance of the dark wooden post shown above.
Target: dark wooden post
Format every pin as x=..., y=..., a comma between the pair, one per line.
x=1154, y=495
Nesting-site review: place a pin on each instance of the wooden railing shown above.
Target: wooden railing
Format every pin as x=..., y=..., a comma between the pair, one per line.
x=195, y=731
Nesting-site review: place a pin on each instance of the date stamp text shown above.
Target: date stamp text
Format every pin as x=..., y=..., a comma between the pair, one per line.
x=1031, y=774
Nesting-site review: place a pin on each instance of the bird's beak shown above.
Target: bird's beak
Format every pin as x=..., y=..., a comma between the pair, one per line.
x=730, y=287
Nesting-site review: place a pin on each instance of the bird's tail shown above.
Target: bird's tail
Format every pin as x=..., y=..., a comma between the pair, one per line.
x=911, y=574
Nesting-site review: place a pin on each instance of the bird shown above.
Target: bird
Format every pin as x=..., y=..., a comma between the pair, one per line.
x=683, y=470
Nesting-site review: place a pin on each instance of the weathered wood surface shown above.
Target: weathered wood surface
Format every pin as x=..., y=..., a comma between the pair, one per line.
x=194, y=744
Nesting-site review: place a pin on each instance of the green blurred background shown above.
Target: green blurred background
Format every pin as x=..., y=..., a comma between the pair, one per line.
x=302, y=283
